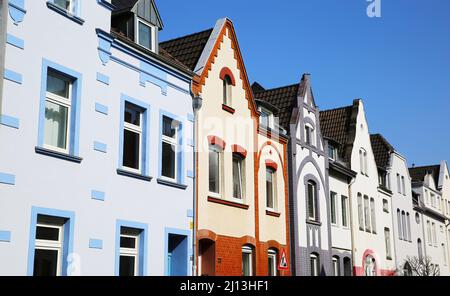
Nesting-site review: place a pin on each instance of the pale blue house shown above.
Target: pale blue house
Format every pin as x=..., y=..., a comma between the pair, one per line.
x=96, y=156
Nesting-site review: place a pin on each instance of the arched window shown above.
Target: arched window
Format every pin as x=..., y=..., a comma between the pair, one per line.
x=407, y=270
x=271, y=192
x=370, y=266
x=309, y=134
x=247, y=261
x=312, y=200
x=227, y=88
x=419, y=248
x=315, y=264
x=336, y=266
x=399, y=224
x=360, y=212
x=272, y=262
x=408, y=226
x=347, y=266
x=405, y=234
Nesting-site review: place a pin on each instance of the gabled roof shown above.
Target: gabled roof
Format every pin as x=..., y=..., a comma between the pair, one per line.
x=122, y=5
x=418, y=173
x=381, y=149
x=187, y=49
x=284, y=98
x=145, y=9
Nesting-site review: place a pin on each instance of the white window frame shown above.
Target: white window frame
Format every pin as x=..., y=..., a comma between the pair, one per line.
x=248, y=251
x=173, y=142
x=73, y=7
x=430, y=240
x=273, y=173
x=134, y=129
x=314, y=199
x=152, y=33
x=219, y=151
x=227, y=91
x=52, y=245
x=131, y=252
x=270, y=117
x=433, y=228
x=403, y=185
x=367, y=214
x=385, y=205
x=373, y=218
x=345, y=211
x=333, y=200
x=363, y=161
x=241, y=174
x=332, y=150
x=309, y=133
x=273, y=254
x=360, y=212
x=387, y=240
x=336, y=266
x=65, y=102
x=314, y=258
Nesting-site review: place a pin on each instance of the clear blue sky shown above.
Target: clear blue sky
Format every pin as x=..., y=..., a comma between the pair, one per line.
x=399, y=64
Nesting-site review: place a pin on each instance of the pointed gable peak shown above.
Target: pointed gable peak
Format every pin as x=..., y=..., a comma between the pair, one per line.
x=144, y=9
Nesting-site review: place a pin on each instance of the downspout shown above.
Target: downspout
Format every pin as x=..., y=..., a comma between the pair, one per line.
x=3, y=28
x=351, y=221
x=196, y=106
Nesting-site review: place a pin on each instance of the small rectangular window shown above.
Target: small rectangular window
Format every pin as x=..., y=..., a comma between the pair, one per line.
x=214, y=170
x=247, y=261
x=70, y=6
x=367, y=213
x=314, y=265
x=169, y=148
x=144, y=35
x=270, y=188
x=387, y=238
x=312, y=200
x=344, y=204
x=373, y=215
x=403, y=186
x=336, y=267
x=132, y=138
x=333, y=205
x=332, y=152
x=129, y=252
x=272, y=263
x=360, y=212
x=385, y=205
x=238, y=176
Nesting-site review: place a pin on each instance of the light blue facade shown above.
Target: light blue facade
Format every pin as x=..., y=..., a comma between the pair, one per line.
x=87, y=186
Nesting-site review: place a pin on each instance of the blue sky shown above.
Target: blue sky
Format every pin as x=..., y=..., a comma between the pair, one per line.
x=398, y=64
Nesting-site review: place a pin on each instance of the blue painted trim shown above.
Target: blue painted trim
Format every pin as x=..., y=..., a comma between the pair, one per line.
x=102, y=78
x=175, y=231
x=101, y=108
x=9, y=121
x=58, y=154
x=191, y=174
x=158, y=76
x=77, y=79
x=190, y=213
x=98, y=195
x=145, y=161
x=134, y=175
x=68, y=235
x=191, y=118
x=95, y=244
x=13, y=76
x=65, y=13
x=180, y=174
x=17, y=10
x=143, y=244
x=171, y=184
x=106, y=4
x=7, y=179
x=101, y=147
x=15, y=41
x=105, y=41
x=5, y=236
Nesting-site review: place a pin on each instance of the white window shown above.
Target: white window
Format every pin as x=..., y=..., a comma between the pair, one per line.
x=399, y=224
x=215, y=173
x=404, y=230
x=344, y=205
x=271, y=194
x=332, y=152
x=70, y=6
x=363, y=161
x=385, y=205
x=129, y=252
x=433, y=199
x=336, y=266
x=169, y=149
x=433, y=227
x=238, y=176
x=429, y=233
x=247, y=261
x=419, y=248
x=312, y=200
x=399, y=188
x=144, y=33
x=370, y=266
x=334, y=209
x=427, y=198
x=266, y=119
x=403, y=186
x=372, y=215
x=387, y=239
x=48, y=247
x=272, y=263
x=58, y=112
x=408, y=226
x=315, y=264
x=309, y=135
x=360, y=212
x=366, y=213
x=227, y=90
x=132, y=138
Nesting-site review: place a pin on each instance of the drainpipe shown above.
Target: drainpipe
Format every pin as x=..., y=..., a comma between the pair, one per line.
x=3, y=25
x=196, y=106
x=351, y=221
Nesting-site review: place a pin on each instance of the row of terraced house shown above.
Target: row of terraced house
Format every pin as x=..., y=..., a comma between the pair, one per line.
x=124, y=155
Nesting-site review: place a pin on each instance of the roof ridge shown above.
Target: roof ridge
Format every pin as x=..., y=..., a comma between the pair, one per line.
x=425, y=166
x=186, y=36
x=334, y=109
x=278, y=88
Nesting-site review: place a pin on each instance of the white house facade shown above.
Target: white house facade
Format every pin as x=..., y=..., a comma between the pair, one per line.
x=101, y=120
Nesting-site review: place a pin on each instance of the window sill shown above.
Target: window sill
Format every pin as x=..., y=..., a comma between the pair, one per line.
x=59, y=155
x=171, y=184
x=133, y=175
x=313, y=222
x=65, y=13
x=273, y=214
x=228, y=109
x=228, y=203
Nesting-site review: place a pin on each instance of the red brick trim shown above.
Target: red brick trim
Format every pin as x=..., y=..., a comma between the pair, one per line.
x=239, y=150
x=228, y=109
x=228, y=203
x=273, y=214
x=271, y=164
x=248, y=240
x=226, y=71
x=214, y=140
x=206, y=234
x=275, y=245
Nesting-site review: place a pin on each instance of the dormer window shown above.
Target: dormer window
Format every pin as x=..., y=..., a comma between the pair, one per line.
x=309, y=135
x=332, y=152
x=266, y=119
x=144, y=34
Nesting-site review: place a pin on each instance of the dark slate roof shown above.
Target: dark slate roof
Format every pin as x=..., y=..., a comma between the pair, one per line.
x=284, y=98
x=122, y=5
x=381, y=150
x=418, y=173
x=187, y=49
x=335, y=125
